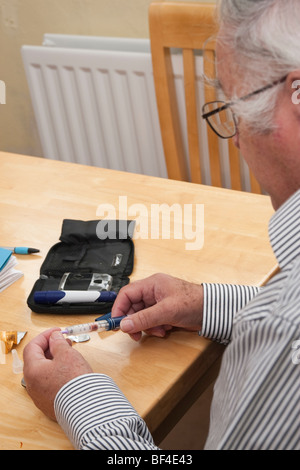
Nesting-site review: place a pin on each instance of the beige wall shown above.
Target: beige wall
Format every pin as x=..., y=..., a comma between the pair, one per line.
x=25, y=22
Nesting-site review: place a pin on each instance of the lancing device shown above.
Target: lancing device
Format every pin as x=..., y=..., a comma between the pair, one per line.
x=102, y=325
x=73, y=297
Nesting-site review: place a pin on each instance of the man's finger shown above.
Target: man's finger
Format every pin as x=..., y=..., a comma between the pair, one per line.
x=128, y=296
x=58, y=343
x=38, y=346
x=144, y=319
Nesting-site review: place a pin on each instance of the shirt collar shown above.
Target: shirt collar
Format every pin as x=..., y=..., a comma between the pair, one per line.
x=284, y=231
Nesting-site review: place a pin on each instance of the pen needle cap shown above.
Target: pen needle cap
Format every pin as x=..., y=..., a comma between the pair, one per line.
x=17, y=363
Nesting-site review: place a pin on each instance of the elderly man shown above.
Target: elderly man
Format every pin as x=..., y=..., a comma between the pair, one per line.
x=256, y=397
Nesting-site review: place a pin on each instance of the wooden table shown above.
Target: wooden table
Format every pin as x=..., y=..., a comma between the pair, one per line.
x=160, y=377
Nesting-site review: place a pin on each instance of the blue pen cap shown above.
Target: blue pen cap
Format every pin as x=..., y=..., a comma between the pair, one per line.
x=107, y=296
x=105, y=316
x=49, y=297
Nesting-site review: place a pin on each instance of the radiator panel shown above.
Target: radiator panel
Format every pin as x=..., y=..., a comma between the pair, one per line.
x=98, y=107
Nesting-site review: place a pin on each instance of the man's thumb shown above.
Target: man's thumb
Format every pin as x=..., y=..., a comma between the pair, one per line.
x=58, y=343
x=127, y=325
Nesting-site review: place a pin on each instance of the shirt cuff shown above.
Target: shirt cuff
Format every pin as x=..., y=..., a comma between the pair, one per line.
x=86, y=408
x=220, y=303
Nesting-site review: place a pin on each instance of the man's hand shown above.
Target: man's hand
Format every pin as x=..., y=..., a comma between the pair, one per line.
x=157, y=304
x=49, y=363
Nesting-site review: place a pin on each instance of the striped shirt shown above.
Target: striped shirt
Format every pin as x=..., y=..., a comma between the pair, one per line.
x=256, y=403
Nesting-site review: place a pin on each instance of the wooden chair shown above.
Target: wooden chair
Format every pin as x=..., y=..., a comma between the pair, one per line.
x=187, y=26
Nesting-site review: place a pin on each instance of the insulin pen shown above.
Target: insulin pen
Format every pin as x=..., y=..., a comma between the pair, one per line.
x=73, y=297
x=101, y=325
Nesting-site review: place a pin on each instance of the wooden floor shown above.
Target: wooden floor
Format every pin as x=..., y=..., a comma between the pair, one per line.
x=191, y=431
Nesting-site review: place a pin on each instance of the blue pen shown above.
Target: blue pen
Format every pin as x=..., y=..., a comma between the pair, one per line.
x=105, y=316
x=102, y=325
x=73, y=297
x=22, y=250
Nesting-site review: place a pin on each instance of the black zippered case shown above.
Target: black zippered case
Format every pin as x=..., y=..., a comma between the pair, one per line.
x=91, y=255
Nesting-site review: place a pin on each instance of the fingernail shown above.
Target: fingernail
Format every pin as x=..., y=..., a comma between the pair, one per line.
x=57, y=335
x=126, y=325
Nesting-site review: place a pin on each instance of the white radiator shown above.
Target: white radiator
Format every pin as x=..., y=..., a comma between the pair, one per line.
x=94, y=103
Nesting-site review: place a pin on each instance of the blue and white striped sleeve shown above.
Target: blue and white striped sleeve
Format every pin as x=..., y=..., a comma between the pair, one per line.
x=95, y=415
x=220, y=303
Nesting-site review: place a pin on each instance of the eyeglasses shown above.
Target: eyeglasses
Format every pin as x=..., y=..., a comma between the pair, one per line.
x=220, y=116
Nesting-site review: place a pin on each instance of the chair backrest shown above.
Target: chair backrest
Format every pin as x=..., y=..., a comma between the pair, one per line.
x=187, y=26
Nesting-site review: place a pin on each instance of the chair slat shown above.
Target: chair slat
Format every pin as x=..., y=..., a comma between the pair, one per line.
x=187, y=26
x=191, y=114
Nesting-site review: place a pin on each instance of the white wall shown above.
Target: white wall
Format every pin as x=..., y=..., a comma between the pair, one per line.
x=25, y=22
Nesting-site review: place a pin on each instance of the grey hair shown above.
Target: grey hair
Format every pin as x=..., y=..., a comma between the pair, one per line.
x=264, y=37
